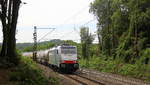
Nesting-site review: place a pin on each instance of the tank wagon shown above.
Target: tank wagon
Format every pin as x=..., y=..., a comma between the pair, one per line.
x=63, y=57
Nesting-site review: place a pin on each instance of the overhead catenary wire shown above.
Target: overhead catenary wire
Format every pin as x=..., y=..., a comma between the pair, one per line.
x=69, y=19
x=84, y=25
x=76, y=14
x=46, y=35
x=75, y=30
x=88, y=22
x=68, y=33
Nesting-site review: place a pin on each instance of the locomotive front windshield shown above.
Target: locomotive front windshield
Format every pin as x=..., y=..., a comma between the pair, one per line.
x=68, y=50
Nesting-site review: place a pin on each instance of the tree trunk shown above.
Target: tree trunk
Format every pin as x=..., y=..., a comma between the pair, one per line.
x=4, y=25
x=99, y=42
x=12, y=32
x=4, y=48
x=4, y=45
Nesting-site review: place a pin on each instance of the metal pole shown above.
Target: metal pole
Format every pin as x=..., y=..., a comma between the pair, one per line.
x=35, y=44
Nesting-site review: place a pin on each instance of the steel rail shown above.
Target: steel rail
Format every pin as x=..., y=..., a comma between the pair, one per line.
x=95, y=81
x=81, y=82
x=114, y=78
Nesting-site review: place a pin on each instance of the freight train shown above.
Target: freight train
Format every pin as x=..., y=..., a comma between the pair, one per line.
x=63, y=57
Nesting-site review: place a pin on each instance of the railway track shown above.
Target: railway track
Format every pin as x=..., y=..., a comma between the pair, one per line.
x=82, y=80
x=111, y=79
x=79, y=79
x=90, y=77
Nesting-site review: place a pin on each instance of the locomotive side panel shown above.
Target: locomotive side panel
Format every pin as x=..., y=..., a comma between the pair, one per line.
x=51, y=56
x=57, y=57
x=54, y=57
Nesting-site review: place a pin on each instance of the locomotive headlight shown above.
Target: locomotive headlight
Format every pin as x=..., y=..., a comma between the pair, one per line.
x=76, y=65
x=63, y=65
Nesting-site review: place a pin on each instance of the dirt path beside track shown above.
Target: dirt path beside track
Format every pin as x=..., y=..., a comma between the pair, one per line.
x=62, y=79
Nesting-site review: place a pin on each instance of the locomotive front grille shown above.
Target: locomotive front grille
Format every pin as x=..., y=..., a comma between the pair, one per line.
x=69, y=67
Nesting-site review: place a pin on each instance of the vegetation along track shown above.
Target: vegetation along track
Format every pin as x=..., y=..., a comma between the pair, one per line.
x=79, y=79
x=92, y=77
x=109, y=79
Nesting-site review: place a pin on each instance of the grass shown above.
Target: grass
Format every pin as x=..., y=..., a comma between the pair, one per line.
x=138, y=70
x=27, y=73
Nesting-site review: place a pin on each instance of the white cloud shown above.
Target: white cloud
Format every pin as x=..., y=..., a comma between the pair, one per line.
x=52, y=13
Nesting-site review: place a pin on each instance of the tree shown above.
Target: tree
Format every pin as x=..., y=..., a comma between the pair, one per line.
x=102, y=10
x=123, y=27
x=8, y=16
x=86, y=40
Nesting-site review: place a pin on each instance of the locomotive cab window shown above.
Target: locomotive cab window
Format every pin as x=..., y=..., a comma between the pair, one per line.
x=68, y=50
x=56, y=51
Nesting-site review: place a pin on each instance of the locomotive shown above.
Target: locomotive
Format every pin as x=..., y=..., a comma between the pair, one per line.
x=63, y=57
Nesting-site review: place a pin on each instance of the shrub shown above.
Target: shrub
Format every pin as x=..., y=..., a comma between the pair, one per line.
x=27, y=73
x=136, y=70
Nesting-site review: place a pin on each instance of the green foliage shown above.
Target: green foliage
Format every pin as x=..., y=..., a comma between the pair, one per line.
x=6, y=63
x=21, y=46
x=54, y=81
x=137, y=70
x=27, y=73
x=94, y=50
x=102, y=10
x=86, y=40
x=128, y=69
x=145, y=56
x=123, y=26
x=41, y=46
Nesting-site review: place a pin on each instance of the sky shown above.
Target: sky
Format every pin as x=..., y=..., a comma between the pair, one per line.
x=66, y=16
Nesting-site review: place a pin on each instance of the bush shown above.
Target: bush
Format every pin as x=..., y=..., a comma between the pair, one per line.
x=136, y=70
x=27, y=73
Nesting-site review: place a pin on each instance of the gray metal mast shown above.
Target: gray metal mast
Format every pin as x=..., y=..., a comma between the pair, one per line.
x=36, y=42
